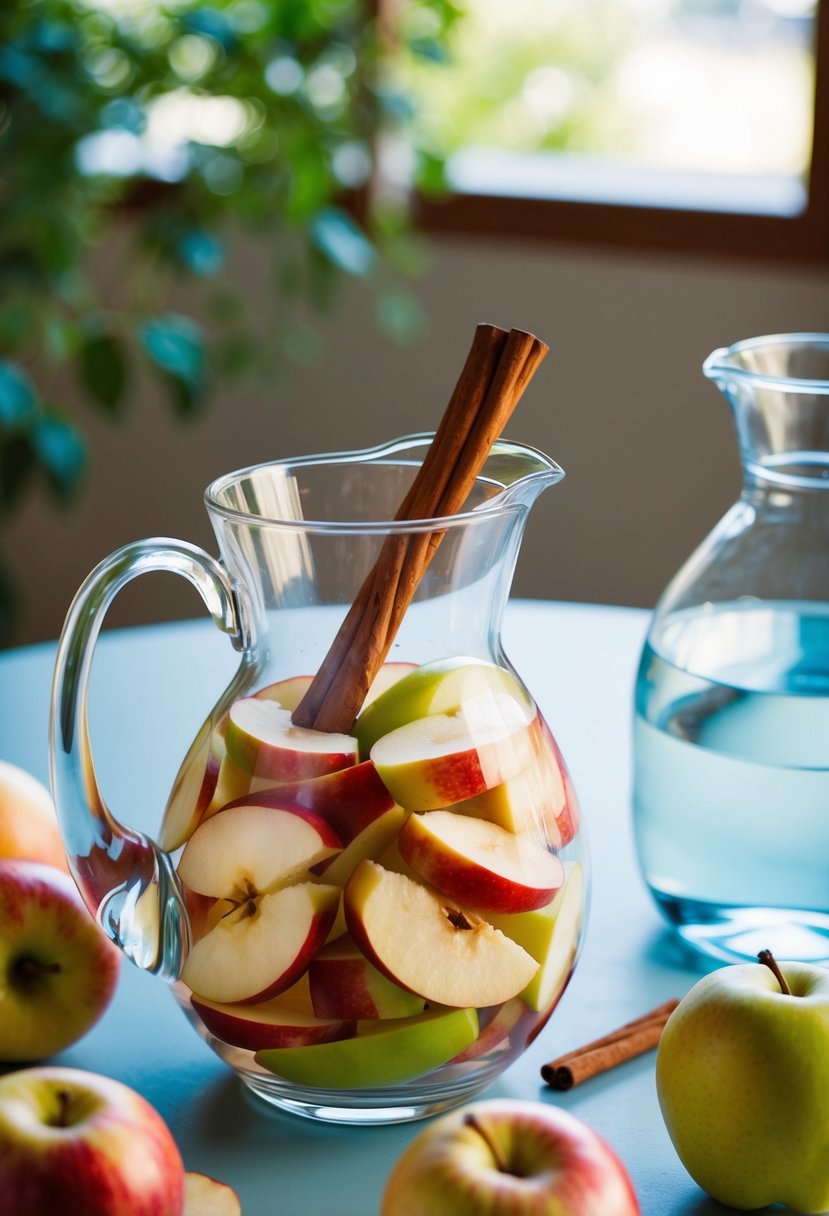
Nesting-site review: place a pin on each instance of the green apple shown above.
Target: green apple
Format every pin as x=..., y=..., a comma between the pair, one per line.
x=386, y=1052
x=58, y=971
x=742, y=1074
x=551, y=936
x=508, y=1157
x=440, y=687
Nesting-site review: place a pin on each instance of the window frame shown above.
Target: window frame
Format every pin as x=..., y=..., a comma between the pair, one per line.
x=801, y=239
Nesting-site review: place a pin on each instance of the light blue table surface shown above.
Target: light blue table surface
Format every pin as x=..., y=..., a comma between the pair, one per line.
x=149, y=688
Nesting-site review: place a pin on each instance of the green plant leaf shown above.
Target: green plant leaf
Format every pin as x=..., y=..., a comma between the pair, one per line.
x=103, y=369
x=174, y=343
x=201, y=252
x=60, y=451
x=18, y=398
x=339, y=239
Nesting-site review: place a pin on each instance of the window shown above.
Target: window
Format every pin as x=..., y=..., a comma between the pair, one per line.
x=662, y=124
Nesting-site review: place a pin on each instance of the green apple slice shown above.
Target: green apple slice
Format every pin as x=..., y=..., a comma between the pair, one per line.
x=551, y=936
x=441, y=687
x=382, y=1052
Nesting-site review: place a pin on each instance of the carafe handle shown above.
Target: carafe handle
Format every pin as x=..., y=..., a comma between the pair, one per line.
x=127, y=881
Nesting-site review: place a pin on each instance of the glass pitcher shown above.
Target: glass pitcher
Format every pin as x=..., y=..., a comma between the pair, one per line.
x=731, y=733
x=367, y=924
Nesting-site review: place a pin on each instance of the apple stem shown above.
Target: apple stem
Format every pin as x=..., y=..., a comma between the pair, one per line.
x=493, y=1146
x=29, y=970
x=768, y=960
x=64, y=1102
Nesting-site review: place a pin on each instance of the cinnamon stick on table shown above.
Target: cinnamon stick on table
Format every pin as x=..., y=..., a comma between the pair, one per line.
x=496, y=372
x=600, y=1055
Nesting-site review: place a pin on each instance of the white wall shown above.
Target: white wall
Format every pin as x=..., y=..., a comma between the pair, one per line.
x=620, y=402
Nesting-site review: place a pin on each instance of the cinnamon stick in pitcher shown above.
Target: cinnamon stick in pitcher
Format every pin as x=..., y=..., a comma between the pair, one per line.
x=497, y=370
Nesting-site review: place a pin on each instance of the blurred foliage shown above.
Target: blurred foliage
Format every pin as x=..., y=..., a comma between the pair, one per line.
x=134, y=137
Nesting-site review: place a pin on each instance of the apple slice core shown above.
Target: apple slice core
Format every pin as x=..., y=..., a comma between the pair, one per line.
x=252, y=848
x=261, y=948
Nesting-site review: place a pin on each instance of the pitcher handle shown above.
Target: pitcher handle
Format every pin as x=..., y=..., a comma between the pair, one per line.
x=127, y=881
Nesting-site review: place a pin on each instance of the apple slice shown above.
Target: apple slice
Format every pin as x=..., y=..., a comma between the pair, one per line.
x=204, y=911
x=505, y=1020
x=431, y=945
x=251, y=849
x=372, y=841
x=568, y=817
x=388, y=675
x=381, y=1053
x=287, y=693
x=205, y=1196
x=435, y=761
x=350, y=799
x=269, y=1024
x=440, y=687
x=551, y=935
x=193, y=789
x=262, y=947
x=344, y=984
x=527, y=804
x=478, y=863
x=262, y=740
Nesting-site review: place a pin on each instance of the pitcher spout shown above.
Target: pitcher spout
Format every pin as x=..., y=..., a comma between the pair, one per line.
x=522, y=472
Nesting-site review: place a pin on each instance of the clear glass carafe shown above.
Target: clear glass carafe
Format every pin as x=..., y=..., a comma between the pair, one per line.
x=367, y=926
x=731, y=732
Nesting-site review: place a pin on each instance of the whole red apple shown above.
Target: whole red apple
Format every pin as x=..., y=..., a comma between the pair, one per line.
x=505, y=1157
x=57, y=969
x=73, y=1143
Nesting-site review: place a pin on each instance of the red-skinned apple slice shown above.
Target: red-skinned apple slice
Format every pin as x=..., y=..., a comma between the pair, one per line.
x=252, y=849
x=269, y=1024
x=435, y=761
x=262, y=947
x=344, y=984
x=349, y=799
x=194, y=788
x=429, y=944
x=287, y=693
x=506, y=1020
x=262, y=740
x=478, y=863
x=568, y=816
x=527, y=804
x=371, y=842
